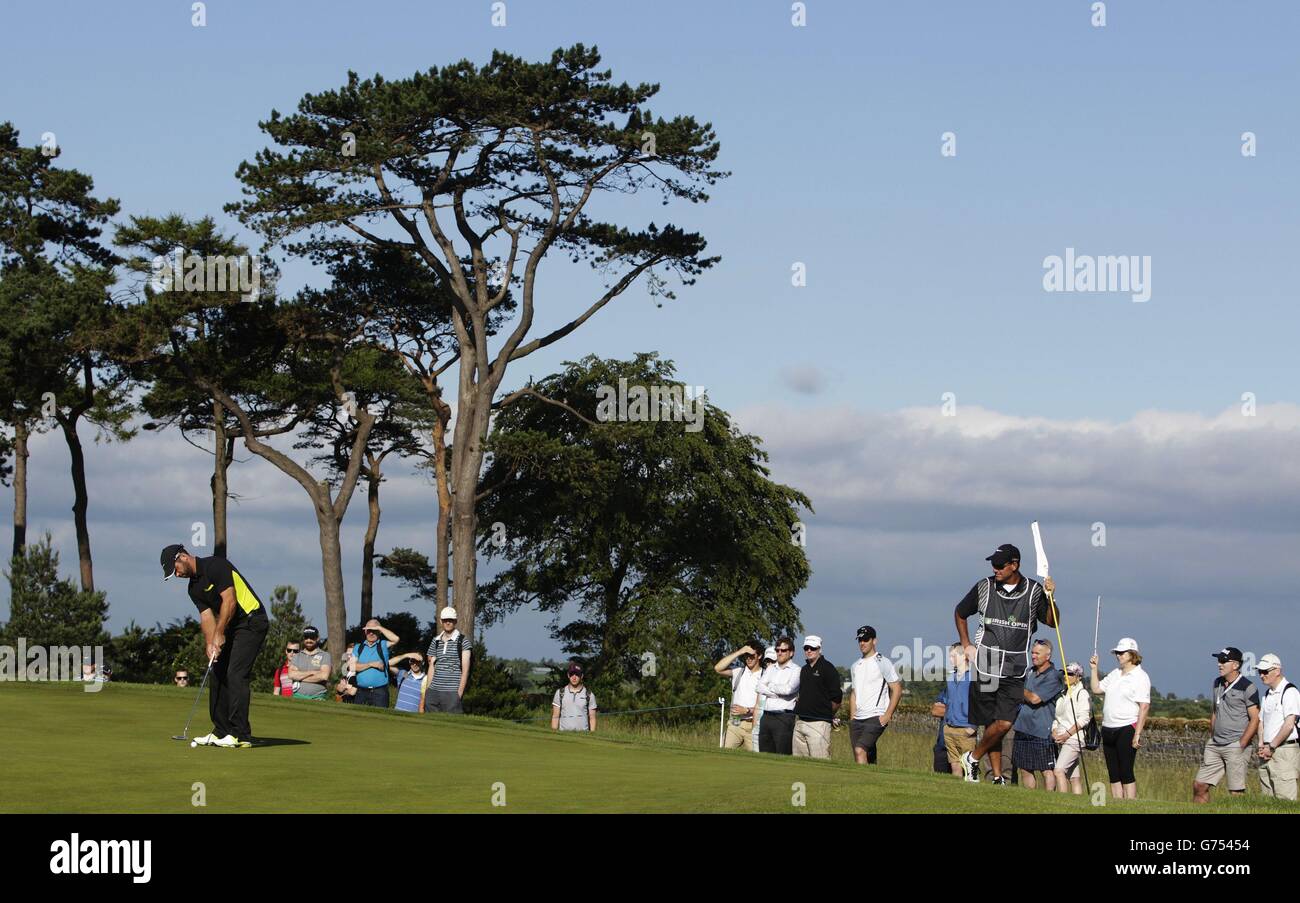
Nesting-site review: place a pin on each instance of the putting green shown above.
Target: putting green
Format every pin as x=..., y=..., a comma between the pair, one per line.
x=67, y=750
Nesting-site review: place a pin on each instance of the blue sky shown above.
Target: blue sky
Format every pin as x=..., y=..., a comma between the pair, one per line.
x=924, y=275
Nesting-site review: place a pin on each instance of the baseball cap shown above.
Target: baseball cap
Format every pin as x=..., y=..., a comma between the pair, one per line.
x=1126, y=644
x=814, y=641
x=1003, y=555
x=769, y=654
x=1228, y=654
x=310, y=631
x=1268, y=663
x=866, y=632
x=574, y=668
x=168, y=559
x=447, y=613
x=1075, y=669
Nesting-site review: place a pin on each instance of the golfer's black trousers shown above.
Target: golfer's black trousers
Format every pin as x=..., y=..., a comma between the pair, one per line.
x=776, y=733
x=229, y=688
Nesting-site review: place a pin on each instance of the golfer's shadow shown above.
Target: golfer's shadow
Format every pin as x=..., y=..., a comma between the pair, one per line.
x=278, y=741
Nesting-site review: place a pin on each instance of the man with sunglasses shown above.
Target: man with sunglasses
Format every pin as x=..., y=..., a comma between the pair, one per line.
x=449, y=657
x=744, y=699
x=310, y=667
x=1234, y=722
x=820, y=695
x=234, y=625
x=1279, y=754
x=779, y=688
x=1010, y=606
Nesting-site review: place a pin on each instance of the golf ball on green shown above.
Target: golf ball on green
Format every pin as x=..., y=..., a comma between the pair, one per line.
x=194, y=744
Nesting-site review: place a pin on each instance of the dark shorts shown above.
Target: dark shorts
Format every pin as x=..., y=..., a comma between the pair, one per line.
x=1033, y=753
x=990, y=703
x=863, y=733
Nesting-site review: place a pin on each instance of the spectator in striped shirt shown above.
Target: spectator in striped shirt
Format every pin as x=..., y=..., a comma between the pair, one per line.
x=449, y=656
x=410, y=681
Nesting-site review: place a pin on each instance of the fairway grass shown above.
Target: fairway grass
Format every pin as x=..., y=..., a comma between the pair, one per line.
x=69, y=751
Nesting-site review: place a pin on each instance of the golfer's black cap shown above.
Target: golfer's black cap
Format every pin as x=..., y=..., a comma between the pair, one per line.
x=1228, y=654
x=1004, y=555
x=866, y=632
x=168, y=559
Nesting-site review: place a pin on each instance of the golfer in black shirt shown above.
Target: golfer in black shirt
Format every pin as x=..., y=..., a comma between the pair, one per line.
x=234, y=625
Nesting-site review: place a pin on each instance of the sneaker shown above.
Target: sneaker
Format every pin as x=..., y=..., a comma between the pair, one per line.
x=227, y=741
x=970, y=769
x=999, y=781
x=205, y=740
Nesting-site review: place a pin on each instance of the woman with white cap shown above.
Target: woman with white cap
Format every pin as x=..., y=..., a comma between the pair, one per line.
x=1073, y=714
x=1123, y=716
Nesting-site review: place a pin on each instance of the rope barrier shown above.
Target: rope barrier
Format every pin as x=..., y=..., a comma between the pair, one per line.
x=603, y=714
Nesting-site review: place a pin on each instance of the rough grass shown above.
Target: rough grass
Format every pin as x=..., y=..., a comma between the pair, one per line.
x=68, y=751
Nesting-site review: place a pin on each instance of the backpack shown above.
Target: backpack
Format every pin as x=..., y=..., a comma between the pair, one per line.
x=1091, y=732
x=460, y=649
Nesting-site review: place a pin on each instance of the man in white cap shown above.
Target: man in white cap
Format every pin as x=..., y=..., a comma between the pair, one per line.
x=1279, y=753
x=769, y=658
x=820, y=695
x=448, y=670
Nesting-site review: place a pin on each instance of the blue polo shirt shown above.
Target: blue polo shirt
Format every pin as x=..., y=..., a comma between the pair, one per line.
x=372, y=677
x=1036, y=720
x=956, y=696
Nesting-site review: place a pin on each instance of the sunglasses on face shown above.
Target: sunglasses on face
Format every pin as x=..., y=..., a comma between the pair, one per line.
x=810, y=649
x=181, y=680
x=785, y=649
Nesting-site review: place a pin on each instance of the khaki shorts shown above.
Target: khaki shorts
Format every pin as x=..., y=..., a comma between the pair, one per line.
x=1067, y=760
x=1219, y=760
x=1277, y=776
x=812, y=739
x=956, y=741
x=738, y=736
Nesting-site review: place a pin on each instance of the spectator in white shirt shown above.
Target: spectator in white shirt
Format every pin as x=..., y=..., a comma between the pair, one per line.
x=744, y=696
x=1123, y=715
x=769, y=658
x=876, y=689
x=779, y=688
x=1073, y=714
x=1279, y=753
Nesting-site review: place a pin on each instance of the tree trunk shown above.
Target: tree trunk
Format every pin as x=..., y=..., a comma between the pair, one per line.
x=472, y=415
x=20, y=487
x=442, y=541
x=368, y=547
x=331, y=559
x=80, y=503
x=220, y=487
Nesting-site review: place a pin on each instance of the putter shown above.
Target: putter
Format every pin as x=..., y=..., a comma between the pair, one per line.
x=184, y=735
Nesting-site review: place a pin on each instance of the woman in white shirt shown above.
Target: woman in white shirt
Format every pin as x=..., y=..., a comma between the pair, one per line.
x=1073, y=712
x=1123, y=715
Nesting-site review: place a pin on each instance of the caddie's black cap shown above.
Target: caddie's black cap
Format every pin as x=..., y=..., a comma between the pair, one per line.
x=1228, y=654
x=1005, y=554
x=168, y=559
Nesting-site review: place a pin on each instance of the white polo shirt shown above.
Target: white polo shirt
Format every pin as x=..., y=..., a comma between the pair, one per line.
x=1277, y=705
x=871, y=676
x=779, y=687
x=1124, y=694
x=744, y=687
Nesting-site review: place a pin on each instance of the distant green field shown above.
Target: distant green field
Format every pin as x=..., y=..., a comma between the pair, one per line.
x=66, y=750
